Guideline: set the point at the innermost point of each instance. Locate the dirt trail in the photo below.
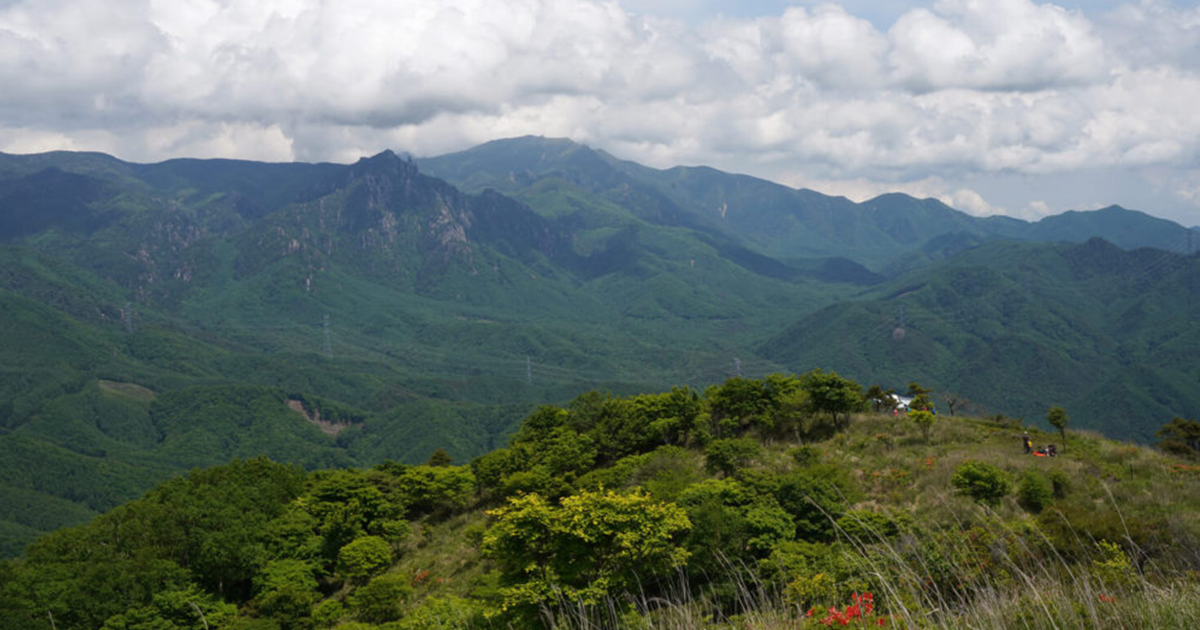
(332, 429)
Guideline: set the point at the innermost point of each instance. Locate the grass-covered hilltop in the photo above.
(782, 502)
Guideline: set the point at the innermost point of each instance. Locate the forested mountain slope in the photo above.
(162, 316)
(1097, 329)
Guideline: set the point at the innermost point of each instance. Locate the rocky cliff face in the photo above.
(382, 216)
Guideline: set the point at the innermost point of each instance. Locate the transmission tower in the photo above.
(899, 331)
(328, 347)
(528, 370)
(737, 367)
(127, 317)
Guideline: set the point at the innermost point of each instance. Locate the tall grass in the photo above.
(992, 577)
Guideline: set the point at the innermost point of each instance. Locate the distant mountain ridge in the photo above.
(780, 221)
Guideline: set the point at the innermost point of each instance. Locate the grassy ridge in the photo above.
(766, 533)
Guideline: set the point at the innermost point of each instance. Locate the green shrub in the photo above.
(1060, 483)
(449, 613)
(924, 420)
(866, 526)
(364, 557)
(728, 455)
(1034, 491)
(328, 613)
(805, 455)
(983, 482)
(382, 599)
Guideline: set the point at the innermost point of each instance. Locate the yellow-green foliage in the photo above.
(590, 545)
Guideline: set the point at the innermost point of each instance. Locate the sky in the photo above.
(993, 106)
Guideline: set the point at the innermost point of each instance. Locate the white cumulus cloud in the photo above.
(948, 91)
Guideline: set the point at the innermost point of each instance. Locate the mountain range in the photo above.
(157, 317)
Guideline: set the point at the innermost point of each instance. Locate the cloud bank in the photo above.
(961, 99)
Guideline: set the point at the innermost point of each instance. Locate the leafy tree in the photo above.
(671, 417)
(536, 480)
(220, 516)
(738, 404)
(923, 419)
(287, 592)
(767, 524)
(619, 431)
(1057, 417)
(544, 420)
(328, 613)
(185, 609)
(490, 469)
(731, 523)
(288, 572)
(791, 411)
(563, 452)
(983, 482)
(728, 455)
(584, 412)
(429, 489)
(294, 535)
(439, 458)
(382, 599)
(815, 497)
(348, 504)
(437, 613)
(590, 545)
(1180, 437)
(832, 394)
(915, 390)
(364, 557)
(880, 399)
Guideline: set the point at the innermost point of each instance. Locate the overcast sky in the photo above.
(996, 106)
